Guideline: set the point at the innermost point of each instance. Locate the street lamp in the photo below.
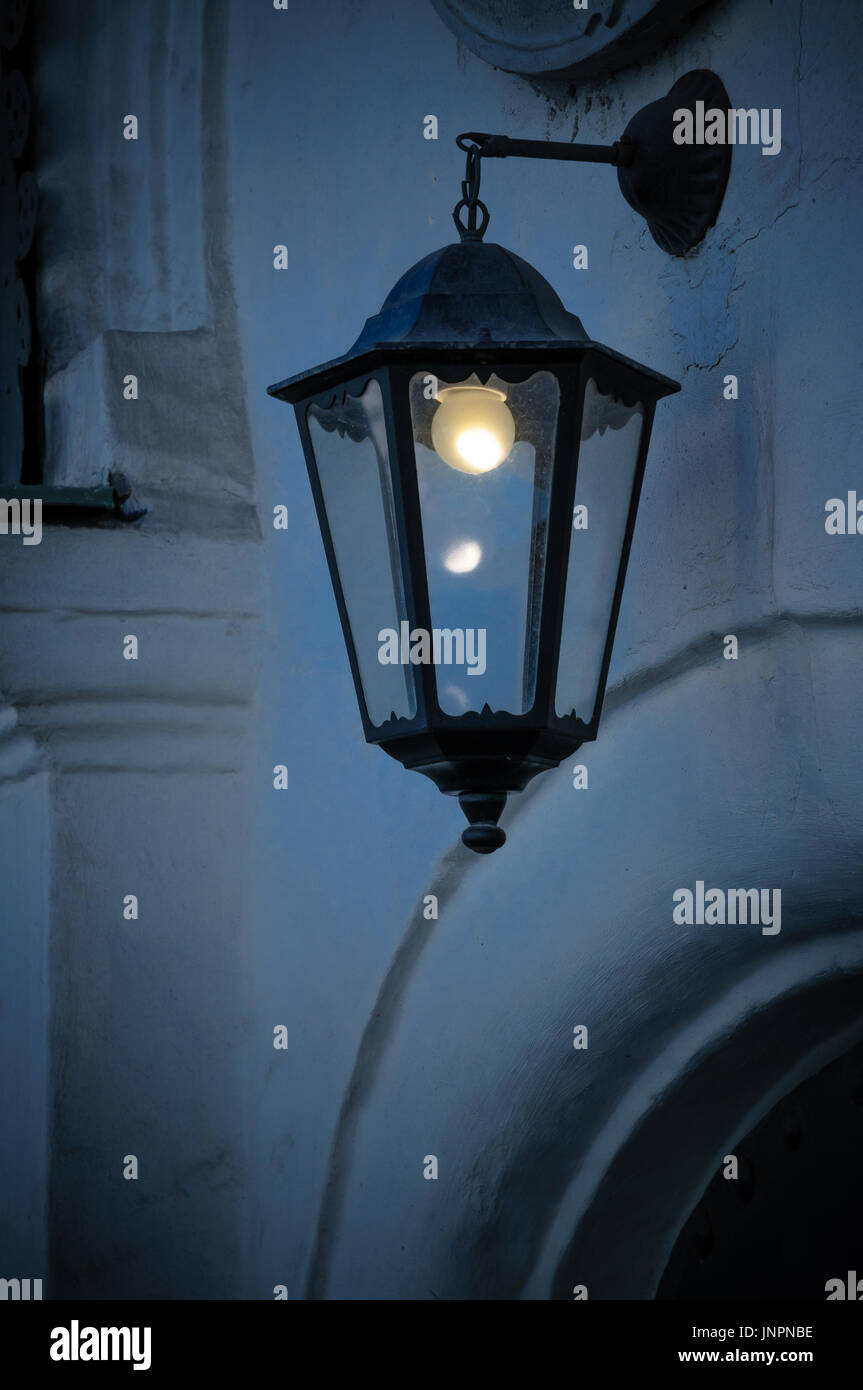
(476, 461)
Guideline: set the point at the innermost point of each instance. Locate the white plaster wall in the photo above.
(703, 768)
(25, 863)
(150, 760)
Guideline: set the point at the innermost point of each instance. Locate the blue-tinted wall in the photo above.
(410, 1037)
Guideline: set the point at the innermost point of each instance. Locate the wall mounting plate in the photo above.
(677, 189)
(551, 38)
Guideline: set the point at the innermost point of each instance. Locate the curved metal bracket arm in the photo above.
(677, 188)
(503, 146)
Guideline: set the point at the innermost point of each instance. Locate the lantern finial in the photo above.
(483, 809)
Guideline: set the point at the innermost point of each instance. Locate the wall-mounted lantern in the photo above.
(476, 463)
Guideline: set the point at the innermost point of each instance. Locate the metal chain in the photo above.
(470, 199)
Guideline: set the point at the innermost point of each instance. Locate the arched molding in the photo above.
(700, 773)
(717, 1078)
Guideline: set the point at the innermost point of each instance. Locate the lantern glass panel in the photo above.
(349, 441)
(610, 441)
(484, 453)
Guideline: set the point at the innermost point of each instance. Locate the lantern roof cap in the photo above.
(466, 295)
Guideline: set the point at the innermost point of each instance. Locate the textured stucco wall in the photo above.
(146, 782)
(735, 772)
(25, 863)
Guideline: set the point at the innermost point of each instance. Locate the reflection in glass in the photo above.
(351, 455)
(611, 435)
(484, 454)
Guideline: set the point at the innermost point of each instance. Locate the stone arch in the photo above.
(472, 1054)
(783, 1227)
(651, 1164)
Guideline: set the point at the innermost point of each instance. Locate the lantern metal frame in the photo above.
(480, 756)
(469, 310)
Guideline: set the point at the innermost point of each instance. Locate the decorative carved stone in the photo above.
(28, 202)
(16, 107)
(8, 216)
(549, 37)
(14, 15)
(22, 323)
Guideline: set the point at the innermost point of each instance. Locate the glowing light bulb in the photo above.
(462, 557)
(472, 429)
